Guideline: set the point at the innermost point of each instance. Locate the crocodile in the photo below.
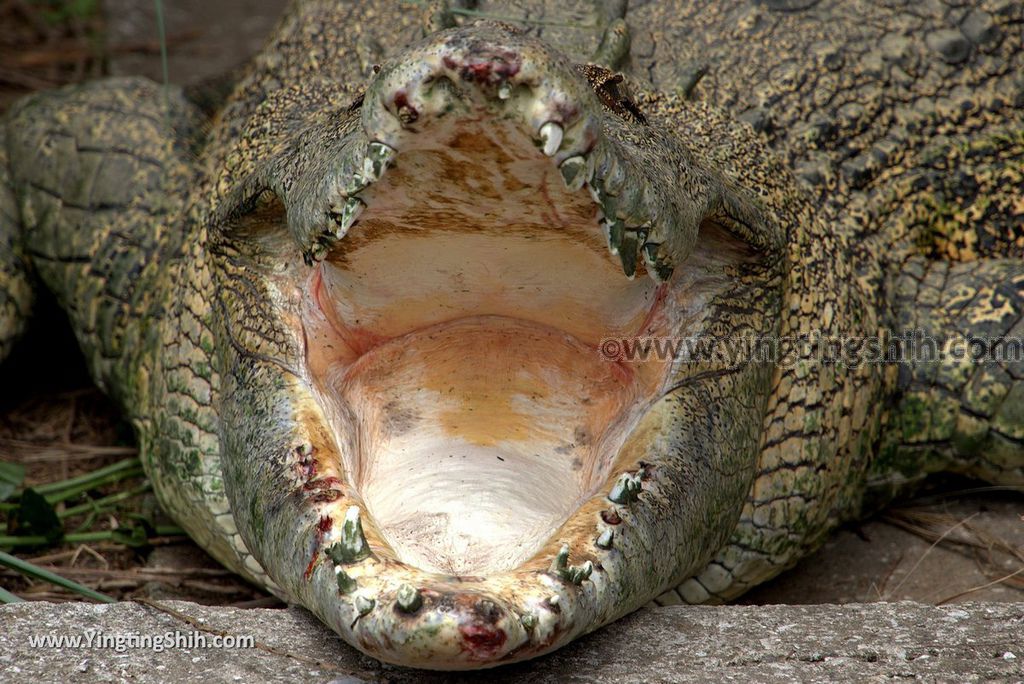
(377, 322)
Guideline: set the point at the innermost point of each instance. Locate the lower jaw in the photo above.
(293, 505)
(474, 440)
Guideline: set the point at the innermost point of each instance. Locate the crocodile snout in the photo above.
(485, 68)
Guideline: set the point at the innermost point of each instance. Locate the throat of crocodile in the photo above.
(478, 436)
(454, 337)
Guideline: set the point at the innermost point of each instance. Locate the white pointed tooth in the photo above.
(378, 157)
(347, 216)
(574, 173)
(356, 183)
(505, 91)
(551, 134)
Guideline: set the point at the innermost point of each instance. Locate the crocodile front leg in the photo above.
(16, 294)
(96, 182)
(94, 199)
(960, 395)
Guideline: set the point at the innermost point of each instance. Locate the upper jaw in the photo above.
(488, 72)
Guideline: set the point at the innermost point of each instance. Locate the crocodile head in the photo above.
(434, 437)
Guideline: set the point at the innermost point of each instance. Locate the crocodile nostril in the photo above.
(485, 67)
(445, 85)
(487, 611)
(483, 641)
(404, 110)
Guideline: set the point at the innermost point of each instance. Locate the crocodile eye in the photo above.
(611, 88)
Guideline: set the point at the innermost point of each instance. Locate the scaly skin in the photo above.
(183, 261)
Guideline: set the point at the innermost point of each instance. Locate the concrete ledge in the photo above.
(966, 642)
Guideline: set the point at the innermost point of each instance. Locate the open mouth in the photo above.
(454, 333)
(460, 477)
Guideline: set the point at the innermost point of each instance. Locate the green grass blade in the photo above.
(12, 475)
(105, 502)
(162, 31)
(8, 597)
(40, 540)
(36, 572)
(89, 478)
(71, 492)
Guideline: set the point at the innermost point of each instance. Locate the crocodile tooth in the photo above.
(554, 599)
(505, 91)
(561, 561)
(574, 574)
(604, 540)
(347, 216)
(626, 489)
(408, 598)
(378, 157)
(650, 251)
(346, 585)
(609, 204)
(574, 173)
(627, 253)
(616, 231)
(551, 135)
(363, 605)
(352, 546)
(356, 183)
(656, 264)
(529, 620)
(631, 241)
(318, 252)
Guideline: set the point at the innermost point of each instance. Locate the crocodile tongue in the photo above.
(479, 437)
